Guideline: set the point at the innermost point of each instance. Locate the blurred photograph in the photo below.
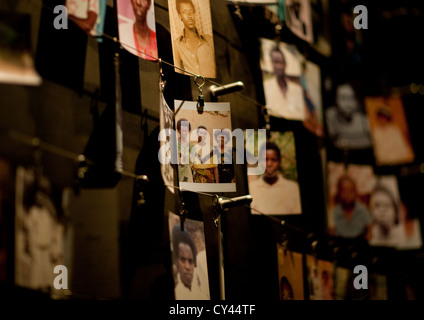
(346, 119)
(137, 28)
(88, 15)
(290, 274)
(319, 274)
(349, 190)
(389, 131)
(281, 72)
(192, 37)
(39, 233)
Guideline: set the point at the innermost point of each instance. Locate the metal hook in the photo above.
(200, 99)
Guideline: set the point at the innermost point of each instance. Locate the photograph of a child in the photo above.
(290, 274)
(281, 72)
(88, 15)
(205, 147)
(346, 119)
(311, 84)
(390, 224)
(276, 191)
(389, 131)
(190, 268)
(348, 193)
(137, 29)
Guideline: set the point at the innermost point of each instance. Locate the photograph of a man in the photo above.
(189, 259)
(137, 31)
(191, 31)
(273, 193)
(281, 71)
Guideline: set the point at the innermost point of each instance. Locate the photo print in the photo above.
(167, 151)
(16, 61)
(319, 274)
(88, 15)
(192, 37)
(190, 268)
(299, 19)
(349, 190)
(275, 191)
(290, 274)
(39, 232)
(320, 15)
(346, 119)
(342, 284)
(205, 152)
(281, 74)
(390, 227)
(389, 131)
(137, 28)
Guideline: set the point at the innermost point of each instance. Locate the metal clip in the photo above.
(200, 99)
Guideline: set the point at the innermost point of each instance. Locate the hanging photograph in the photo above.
(189, 260)
(16, 61)
(192, 37)
(290, 274)
(275, 189)
(137, 28)
(388, 212)
(281, 73)
(389, 131)
(205, 150)
(311, 85)
(320, 15)
(347, 121)
(299, 19)
(39, 232)
(319, 274)
(378, 286)
(88, 15)
(167, 151)
(349, 190)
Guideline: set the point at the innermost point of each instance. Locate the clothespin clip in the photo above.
(200, 99)
(161, 74)
(183, 214)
